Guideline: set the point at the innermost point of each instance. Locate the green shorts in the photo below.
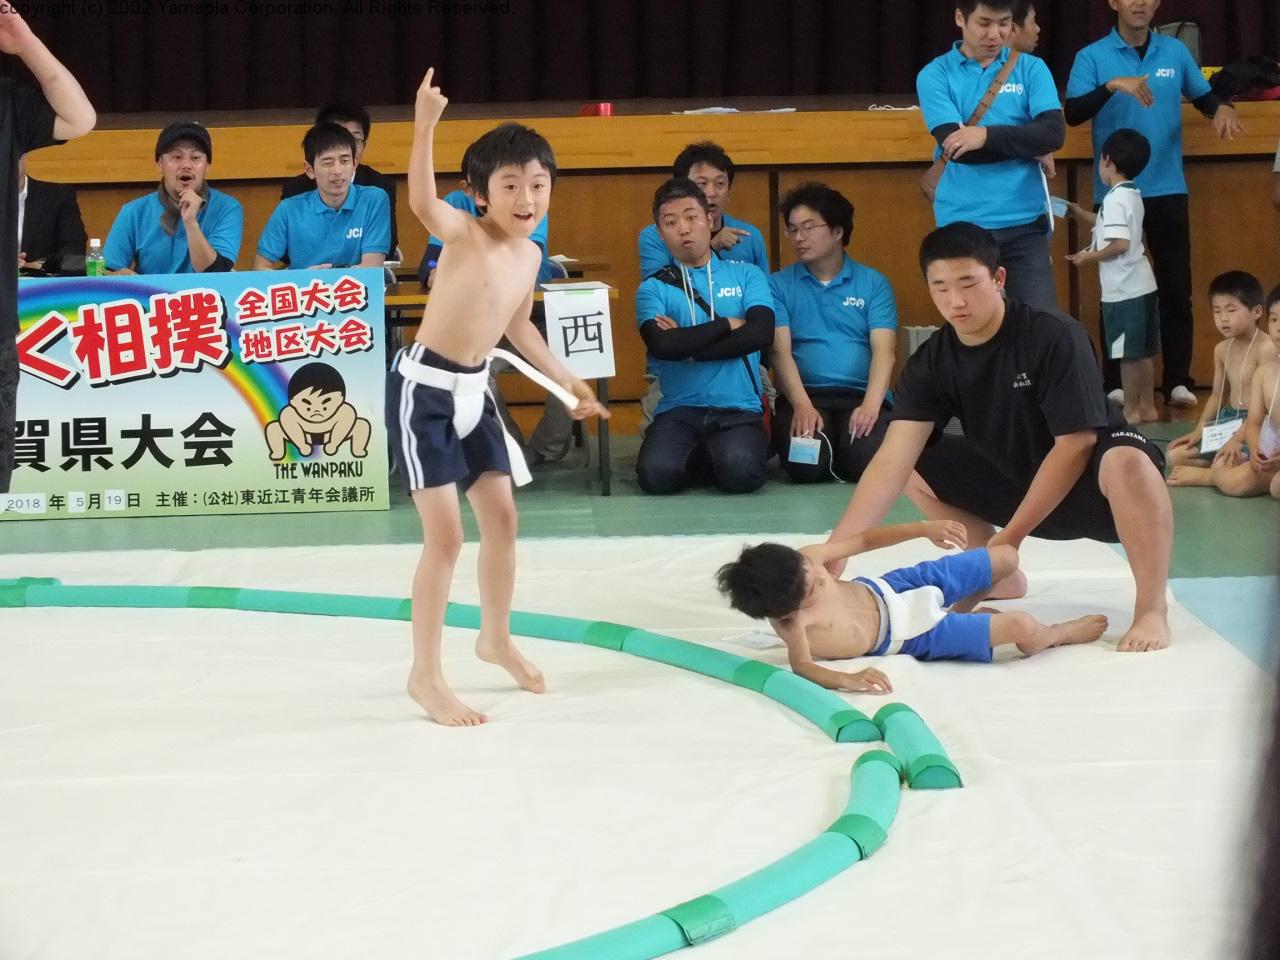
(1131, 328)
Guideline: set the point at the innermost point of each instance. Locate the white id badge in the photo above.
(805, 450)
(1216, 434)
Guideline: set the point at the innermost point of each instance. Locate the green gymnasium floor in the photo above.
(1226, 557)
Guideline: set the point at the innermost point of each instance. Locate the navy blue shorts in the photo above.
(429, 451)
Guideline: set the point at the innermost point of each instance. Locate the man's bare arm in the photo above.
(885, 477)
(1058, 473)
(944, 533)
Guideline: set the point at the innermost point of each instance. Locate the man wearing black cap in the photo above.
(185, 226)
(29, 119)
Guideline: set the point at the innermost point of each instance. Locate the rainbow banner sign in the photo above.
(200, 393)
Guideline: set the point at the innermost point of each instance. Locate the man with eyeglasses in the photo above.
(356, 119)
(834, 341)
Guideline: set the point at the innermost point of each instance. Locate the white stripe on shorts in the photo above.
(408, 441)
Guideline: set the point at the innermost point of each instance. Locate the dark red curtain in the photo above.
(194, 55)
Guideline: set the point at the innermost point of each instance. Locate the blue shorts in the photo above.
(430, 450)
(958, 636)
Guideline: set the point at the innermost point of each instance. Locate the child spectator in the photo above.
(1249, 466)
(1130, 305)
(1237, 307)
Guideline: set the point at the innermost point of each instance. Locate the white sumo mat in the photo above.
(214, 784)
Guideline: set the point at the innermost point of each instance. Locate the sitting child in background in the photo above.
(1130, 307)
(1249, 466)
(905, 611)
(1236, 297)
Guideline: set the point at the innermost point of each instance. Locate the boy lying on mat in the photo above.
(923, 611)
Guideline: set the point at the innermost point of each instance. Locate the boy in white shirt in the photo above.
(1130, 310)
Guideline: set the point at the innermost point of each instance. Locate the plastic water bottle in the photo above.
(94, 265)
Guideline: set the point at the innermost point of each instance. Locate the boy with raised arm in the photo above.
(450, 436)
(922, 611)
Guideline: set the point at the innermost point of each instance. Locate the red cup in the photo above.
(596, 110)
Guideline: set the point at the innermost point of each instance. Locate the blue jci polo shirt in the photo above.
(137, 237)
(654, 254)
(306, 230)
(723, 384)
(831, 326)
(1171, 74)
(1008, 193)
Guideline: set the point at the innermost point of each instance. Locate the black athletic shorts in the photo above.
(961, 475)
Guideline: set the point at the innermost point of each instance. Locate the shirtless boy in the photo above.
(1237, 303)
(450, 437)
(906, 611)
(1249, 466)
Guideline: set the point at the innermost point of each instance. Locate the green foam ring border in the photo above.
(820, 707)
(927, 766)
(874, 791)
(860, 830)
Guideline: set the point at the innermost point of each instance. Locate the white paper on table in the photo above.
(711, 111)
(575, 285)
(579, 330)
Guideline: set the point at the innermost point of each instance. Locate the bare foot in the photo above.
(1150, 415)
(1187, 476)
(1149, 632)
(441, 705)
(504, 653)
(1082, 630)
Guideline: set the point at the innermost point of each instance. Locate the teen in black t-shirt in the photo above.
(1043, 451)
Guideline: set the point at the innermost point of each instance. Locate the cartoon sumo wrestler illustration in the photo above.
(318, 412)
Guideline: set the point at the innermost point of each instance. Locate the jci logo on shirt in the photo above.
(729, 292)
(1166, 72)
(1021, 381)
(355, 233)
(855, 302)
(1013, 88)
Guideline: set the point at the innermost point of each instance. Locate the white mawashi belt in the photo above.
(906, 615)
(469, 390)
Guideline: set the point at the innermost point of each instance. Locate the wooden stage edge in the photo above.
(641, 142)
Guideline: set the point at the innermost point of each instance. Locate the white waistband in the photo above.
(873, 587)
(469, 384)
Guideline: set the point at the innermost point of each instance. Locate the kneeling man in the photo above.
(1043, 453)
